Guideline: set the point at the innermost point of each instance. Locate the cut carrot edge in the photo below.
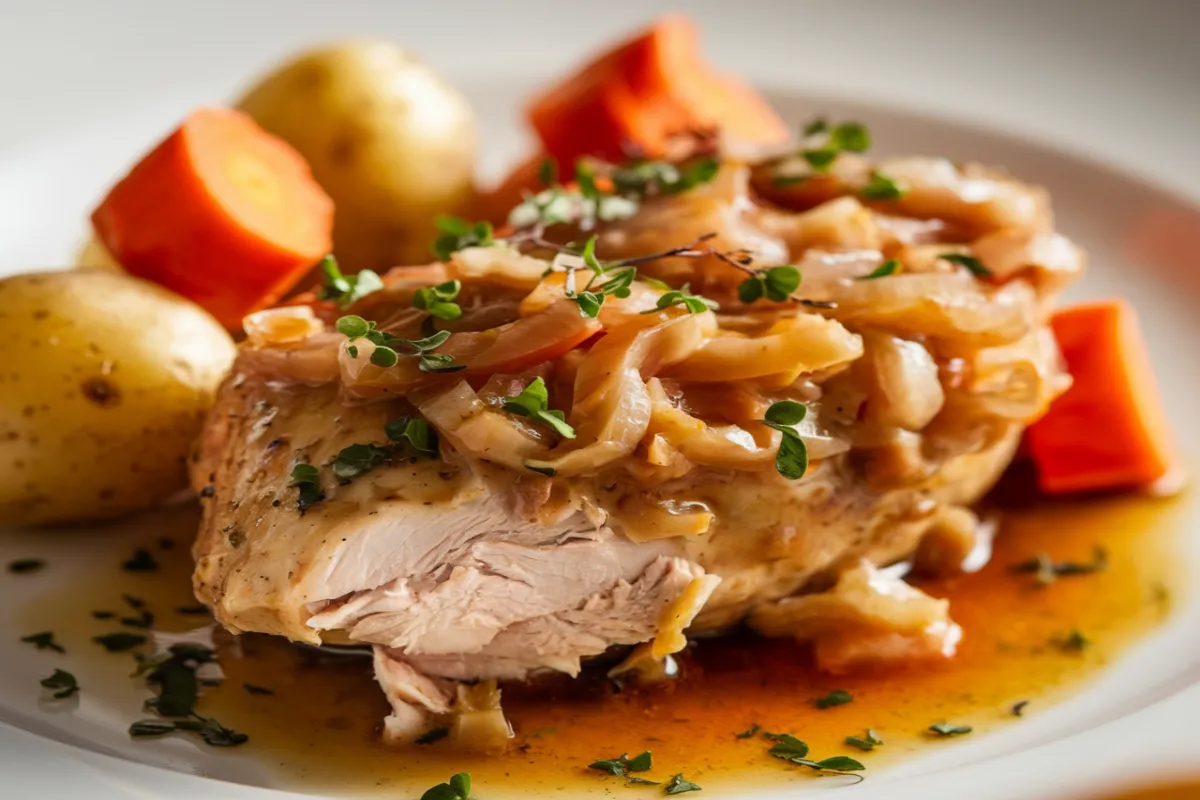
(646, 90)
(1109, 429)
(220, 212)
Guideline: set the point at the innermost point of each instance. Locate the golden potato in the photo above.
(104, 383)
(389, 140)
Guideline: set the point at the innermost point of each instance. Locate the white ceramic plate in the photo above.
(109, 82)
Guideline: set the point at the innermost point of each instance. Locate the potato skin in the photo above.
(389, 140)
(105, 380)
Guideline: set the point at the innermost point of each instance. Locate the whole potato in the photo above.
(104, 383)
(389, 140)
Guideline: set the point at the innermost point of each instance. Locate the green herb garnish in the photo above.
(458, 788)
(44, 641)
(144, 620)
(948, 729)
(141, 561)
(694, 303)
(306, 478)
(212, 732)
(642, 178)
(774, 283)
(786, 746)
(63, 683)
(1073, 642)
(679, 785)
(456, 234)
(623, 764)
(889, 267)
(355, 459)
(868, 741)
(541, 468)
(1018, 708)
(24, 566)
(1048, 571)
(354, 327)
(437, 300)
(105, 614)
(973, 264)
(881, 187)
(548, 171)
(346, 289)
(790, 749)
(533, 402)
(847, 136)
(174, 673)
(432, 735)
(817, 125)
(260, 691)
(792, 459)
(120, 641)
(414, 433)
(838, 697)
(749, 733)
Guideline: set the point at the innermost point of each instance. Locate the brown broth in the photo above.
(318, 731)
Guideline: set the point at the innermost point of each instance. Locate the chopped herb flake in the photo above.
(141, 561)
(786, 746)
(948, 729)
(679, 785)
(973, 264)
(306, 478)
(749, 733)
(103, 614)
(212, 732)
(355, 459)
(881, 187)
(62, 683)
(868, 741)
(25, 566)
(1048, 571)
(1018, 708)
(257, 690)
(414, 433)
(192, 610)
(44, 641)
(1073, 642)
(889, 267)
(432, 735)
(838, 697)
(120, 641)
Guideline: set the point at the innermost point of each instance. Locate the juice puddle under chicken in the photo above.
(318, 731)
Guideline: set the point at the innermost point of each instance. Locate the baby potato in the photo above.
(104, 383)
(390, 141)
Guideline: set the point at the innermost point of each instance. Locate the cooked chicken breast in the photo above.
(655, 504)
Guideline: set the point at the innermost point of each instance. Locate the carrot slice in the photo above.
(1109, 429)
(221, 212)
(645, 91)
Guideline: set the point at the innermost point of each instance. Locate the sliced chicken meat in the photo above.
(545, 484)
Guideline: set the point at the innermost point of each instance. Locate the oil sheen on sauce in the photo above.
(317, 732)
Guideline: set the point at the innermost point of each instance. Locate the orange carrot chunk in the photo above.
(221, 212)
(1109, 429)
(645, 91)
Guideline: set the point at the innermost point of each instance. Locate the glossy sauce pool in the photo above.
(318, 731)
